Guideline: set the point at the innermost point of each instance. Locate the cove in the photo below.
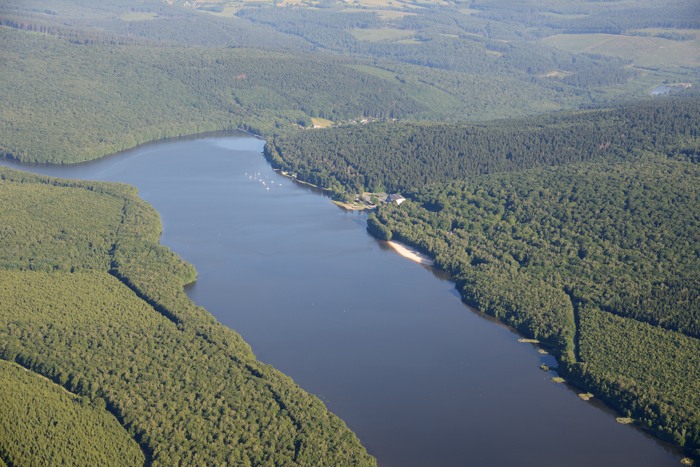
(385, 342)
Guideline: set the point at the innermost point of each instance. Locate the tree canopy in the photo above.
(578, 230)
(94, 303)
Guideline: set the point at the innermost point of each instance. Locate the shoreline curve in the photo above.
(410, 253)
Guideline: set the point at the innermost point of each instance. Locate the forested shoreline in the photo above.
(397, 156)
(579, 231)
(94, 303)
(539, 173)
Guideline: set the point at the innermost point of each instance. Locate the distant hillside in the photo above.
(70, 103)
(88, 79)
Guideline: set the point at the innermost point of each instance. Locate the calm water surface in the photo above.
(385, 342)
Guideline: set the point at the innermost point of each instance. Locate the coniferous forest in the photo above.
(95, 305)
(539, 171)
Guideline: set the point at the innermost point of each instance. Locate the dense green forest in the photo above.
(91, 79)
(43, 424)
(442, 43)
(496, 38)
(396, 156)
(69, 103)
(91, 301)
(578, 230)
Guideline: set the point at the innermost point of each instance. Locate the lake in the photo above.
(385, 342)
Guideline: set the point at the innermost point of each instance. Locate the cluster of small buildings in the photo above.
(371, 198)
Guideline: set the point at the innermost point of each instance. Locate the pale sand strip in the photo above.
(410, 253)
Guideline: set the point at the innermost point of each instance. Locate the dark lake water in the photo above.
(385, 342)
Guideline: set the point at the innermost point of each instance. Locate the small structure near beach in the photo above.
(395, 198)
(376, 198)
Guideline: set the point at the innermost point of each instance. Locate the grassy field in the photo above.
(388, 15)
(234, 5)
(643, 51)
(321, 123)
(382, 34)
(385, 4)
(139, 16)
(558, 15)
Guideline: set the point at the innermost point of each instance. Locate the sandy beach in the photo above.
(410, 253)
